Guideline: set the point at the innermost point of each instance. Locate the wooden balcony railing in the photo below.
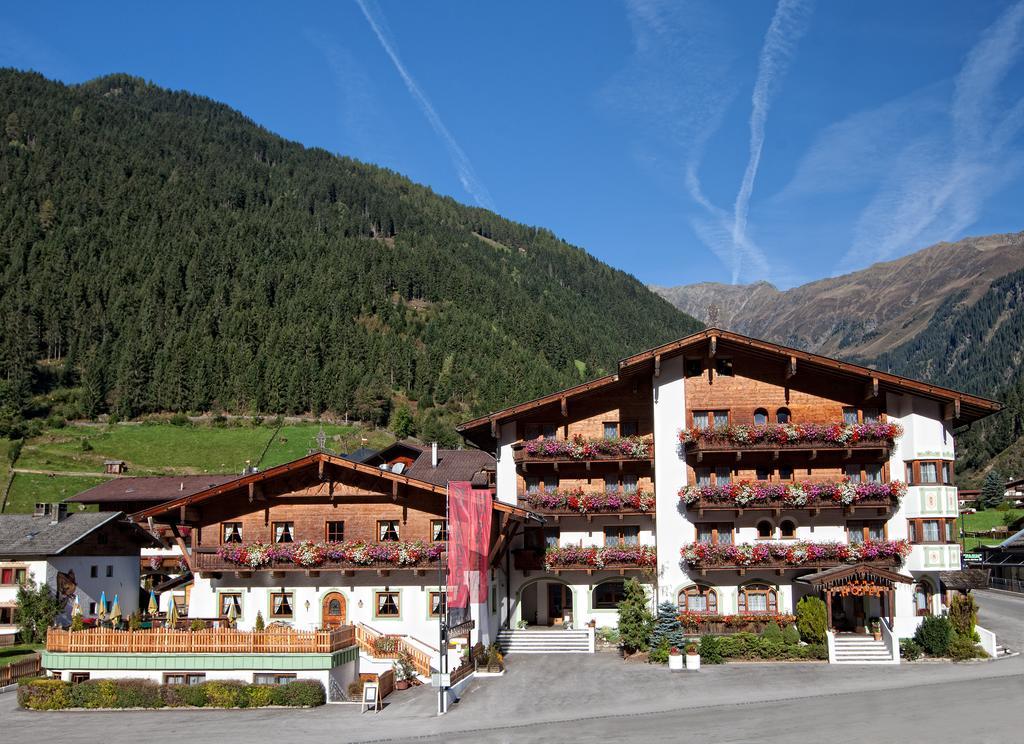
(206, 560)
(880, 447)
(581, 450)
(391, 646)
(580, 503)
(209, 641)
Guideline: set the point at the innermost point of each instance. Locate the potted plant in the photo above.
(675, 660)
(405, 672)
(876, 628)
(692, 658)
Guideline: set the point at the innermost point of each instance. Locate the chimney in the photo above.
(433, 454)
(58, 512)
(42, 509)
(181, 486)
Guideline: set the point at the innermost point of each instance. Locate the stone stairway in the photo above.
(860, 649)
(544, 641)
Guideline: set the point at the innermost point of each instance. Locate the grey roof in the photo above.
(1015, 540)
(25, 534)
(149, 488)
(452, 465)
(361, 455)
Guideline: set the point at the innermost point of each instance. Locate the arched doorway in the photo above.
(333, 614)
(546, 602)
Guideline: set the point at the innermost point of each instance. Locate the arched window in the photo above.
(765, 530)
(782, 416)
(922, 599)
(608, 594)
(761, 416)
(758, 598)
(698, 598)
(787, 529)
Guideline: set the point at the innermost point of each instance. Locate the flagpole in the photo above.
(442, 619)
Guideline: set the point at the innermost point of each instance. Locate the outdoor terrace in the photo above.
(207, 641)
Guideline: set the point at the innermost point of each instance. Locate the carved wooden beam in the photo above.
(494, 428)
(657, 365)
(951, 411)
(791, 367)
(712, 347)
(565, 406)
(871, 389)
(320, 469)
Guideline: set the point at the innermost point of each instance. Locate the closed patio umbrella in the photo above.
(76, 608)
(115, 611)
(101, 613)
(232, 614)
(172, 614)
(154, 605)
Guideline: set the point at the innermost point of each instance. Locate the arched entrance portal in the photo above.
(546, 603)
(333, 615)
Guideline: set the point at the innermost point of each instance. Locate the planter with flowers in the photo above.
(675, 660)
(692, 658)
(875, 626)
(405, 672)
(775, 436)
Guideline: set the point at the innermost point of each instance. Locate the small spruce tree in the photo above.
(667, 627)
(635, 619)
(991, 491)
(259, 624)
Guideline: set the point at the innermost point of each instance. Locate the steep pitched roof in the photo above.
(452, 465)
(148, 488)
(26, 534)
(968, 407)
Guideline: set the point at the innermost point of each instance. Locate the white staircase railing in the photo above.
(891, 642)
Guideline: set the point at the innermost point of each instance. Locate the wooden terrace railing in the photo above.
(208, 641)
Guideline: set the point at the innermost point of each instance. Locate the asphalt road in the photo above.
(1003, 614)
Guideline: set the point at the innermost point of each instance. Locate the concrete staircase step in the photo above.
(526, 641)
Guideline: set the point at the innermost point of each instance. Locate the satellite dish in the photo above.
(398, 467)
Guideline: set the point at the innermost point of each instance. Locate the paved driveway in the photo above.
(590, 698)
(1003, 614)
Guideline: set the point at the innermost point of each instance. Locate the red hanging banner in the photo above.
(469, 536)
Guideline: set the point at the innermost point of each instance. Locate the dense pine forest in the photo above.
(161, 252)
(978, 348)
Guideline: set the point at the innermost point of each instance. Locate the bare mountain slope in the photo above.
(863, 314)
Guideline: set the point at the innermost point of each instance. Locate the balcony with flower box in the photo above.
(583, 451)
(805, 495)
(619, 558)
(314, 557)
(792, 554)
(576, 502)
(871, 437)
(703, 623)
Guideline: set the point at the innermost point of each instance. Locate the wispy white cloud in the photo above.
(938, 183)
(463, 167)
(787, 26)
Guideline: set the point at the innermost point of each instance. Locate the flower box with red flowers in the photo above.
(794, 554)
(763, 495)
(838, 435)
(581, 448)
(303, 555)
(593, 558)
(578, 501)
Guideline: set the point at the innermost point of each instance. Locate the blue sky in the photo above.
(680, 141)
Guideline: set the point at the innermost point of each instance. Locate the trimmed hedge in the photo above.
(752, 647)
(53, 694)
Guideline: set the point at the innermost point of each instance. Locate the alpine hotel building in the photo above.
(731, 476)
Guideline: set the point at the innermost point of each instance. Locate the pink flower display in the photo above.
(835, 434)
(310, 554)
(581, 448)
(578, 500)
(575, 556)
(754, 494)
(795, 553)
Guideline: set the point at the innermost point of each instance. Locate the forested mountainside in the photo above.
(977, 347)
(864, 313)
(952, 314)
(161, 252)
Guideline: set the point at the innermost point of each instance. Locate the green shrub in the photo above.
(225, 694)
(303, 692)
(710, 650)
(179, 419)
(659, 654)
(910, 649)
(137, 693)
(962, 649)
(635, 618)
(259, 624)
(790, 635)
(44, 694)
(197, 624)
(179, 696)
(811, 619)
(934, 635)
(258, 696)
(608, 635)
(963, 614)
(772, 632)
(816, 651)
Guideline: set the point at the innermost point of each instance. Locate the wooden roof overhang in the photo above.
(858, 573)
(960, 407)
(965, 579)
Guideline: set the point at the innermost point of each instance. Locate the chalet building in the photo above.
(733, 477)
(325, 543)
(84, 556)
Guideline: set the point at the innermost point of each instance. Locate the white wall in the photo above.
(506, 469)
(673, 529)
